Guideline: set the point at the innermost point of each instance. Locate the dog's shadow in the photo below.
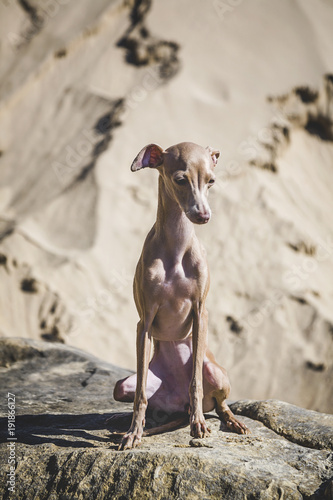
(66, 430)
(87, 430)
(155, 423)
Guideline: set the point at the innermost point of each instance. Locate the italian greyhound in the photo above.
(170, 289)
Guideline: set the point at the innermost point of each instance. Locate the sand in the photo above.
(75, 109)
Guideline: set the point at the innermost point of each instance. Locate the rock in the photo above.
(304, 427)
(65, 449)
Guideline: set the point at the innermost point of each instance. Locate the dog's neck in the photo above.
(172, 226)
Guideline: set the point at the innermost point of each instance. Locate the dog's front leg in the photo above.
(199, 427)
(143, 346)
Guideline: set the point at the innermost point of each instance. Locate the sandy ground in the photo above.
(84, 89)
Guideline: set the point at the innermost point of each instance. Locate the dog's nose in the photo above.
(202, 217)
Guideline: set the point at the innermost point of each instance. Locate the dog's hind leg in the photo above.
(217, 388)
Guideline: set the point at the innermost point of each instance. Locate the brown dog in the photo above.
(170, 288)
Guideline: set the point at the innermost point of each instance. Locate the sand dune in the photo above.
(83, 90)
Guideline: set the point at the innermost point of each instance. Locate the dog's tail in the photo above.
(169, 426)
(176, 423)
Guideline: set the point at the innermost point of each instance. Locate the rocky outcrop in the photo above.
(143, 49)
(303, 108)
(65, 448)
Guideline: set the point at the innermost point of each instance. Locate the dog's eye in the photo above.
(211, 182)
(181, 181)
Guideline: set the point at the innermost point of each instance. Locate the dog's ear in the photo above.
(214, 153)
(150, 156)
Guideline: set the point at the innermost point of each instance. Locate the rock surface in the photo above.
(64, 448)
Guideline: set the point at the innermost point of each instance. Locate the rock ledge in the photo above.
(64, 448)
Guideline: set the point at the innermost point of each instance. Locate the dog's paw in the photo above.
(235, 425)
(131, 439)
(199, 427)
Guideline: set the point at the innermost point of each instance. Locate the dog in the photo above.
(170, 288)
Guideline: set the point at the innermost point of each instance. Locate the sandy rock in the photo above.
(65, 449)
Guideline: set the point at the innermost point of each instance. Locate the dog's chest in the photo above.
(174, 289)
(175, 283)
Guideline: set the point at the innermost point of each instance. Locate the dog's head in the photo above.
(187, 171)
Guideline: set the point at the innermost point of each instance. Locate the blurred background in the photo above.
(83, 87)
